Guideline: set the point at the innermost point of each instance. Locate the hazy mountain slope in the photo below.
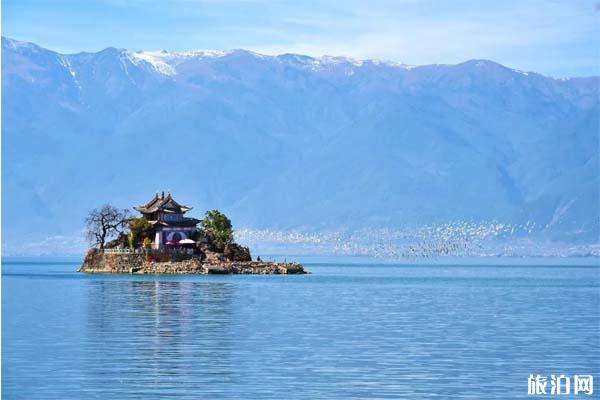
(295, 142)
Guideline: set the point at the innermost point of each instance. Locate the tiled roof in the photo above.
(186, 222)
(162, 203)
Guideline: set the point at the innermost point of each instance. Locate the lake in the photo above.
(351, 329)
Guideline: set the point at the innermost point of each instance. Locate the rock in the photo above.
(212, 257)
(119, 243)
(214, 263)
(216, 269)
(235, 252)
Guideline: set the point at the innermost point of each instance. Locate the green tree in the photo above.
(218, 227)
(139, 230)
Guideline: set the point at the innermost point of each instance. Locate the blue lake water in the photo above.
(348, 330)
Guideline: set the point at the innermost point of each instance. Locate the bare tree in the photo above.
(105, 223)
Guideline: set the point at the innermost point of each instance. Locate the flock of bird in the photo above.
(434, 240)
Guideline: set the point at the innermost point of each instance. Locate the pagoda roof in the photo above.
(186, 222)
(162, 203)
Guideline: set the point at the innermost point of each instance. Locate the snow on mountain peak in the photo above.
(165, 62)
(334, 60)
(18, 44)
(158, 59)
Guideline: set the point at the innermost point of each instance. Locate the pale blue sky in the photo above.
(558, 38)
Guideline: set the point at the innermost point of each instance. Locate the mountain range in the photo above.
(292, 142)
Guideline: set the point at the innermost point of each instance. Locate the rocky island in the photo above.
(165, 241)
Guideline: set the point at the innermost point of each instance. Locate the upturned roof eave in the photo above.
(157, 203)
(188, 222)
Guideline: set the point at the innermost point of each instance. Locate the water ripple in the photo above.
(374, 332)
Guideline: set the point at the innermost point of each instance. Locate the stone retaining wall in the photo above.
(106, 263)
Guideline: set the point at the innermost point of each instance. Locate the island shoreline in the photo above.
(142, 264)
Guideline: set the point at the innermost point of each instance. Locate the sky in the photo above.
(554, 37)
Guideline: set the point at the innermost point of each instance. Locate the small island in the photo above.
(165, 241)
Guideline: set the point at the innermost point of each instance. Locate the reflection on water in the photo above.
(342, 332)
(162, 334)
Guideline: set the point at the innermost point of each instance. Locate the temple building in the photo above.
(171, 227)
